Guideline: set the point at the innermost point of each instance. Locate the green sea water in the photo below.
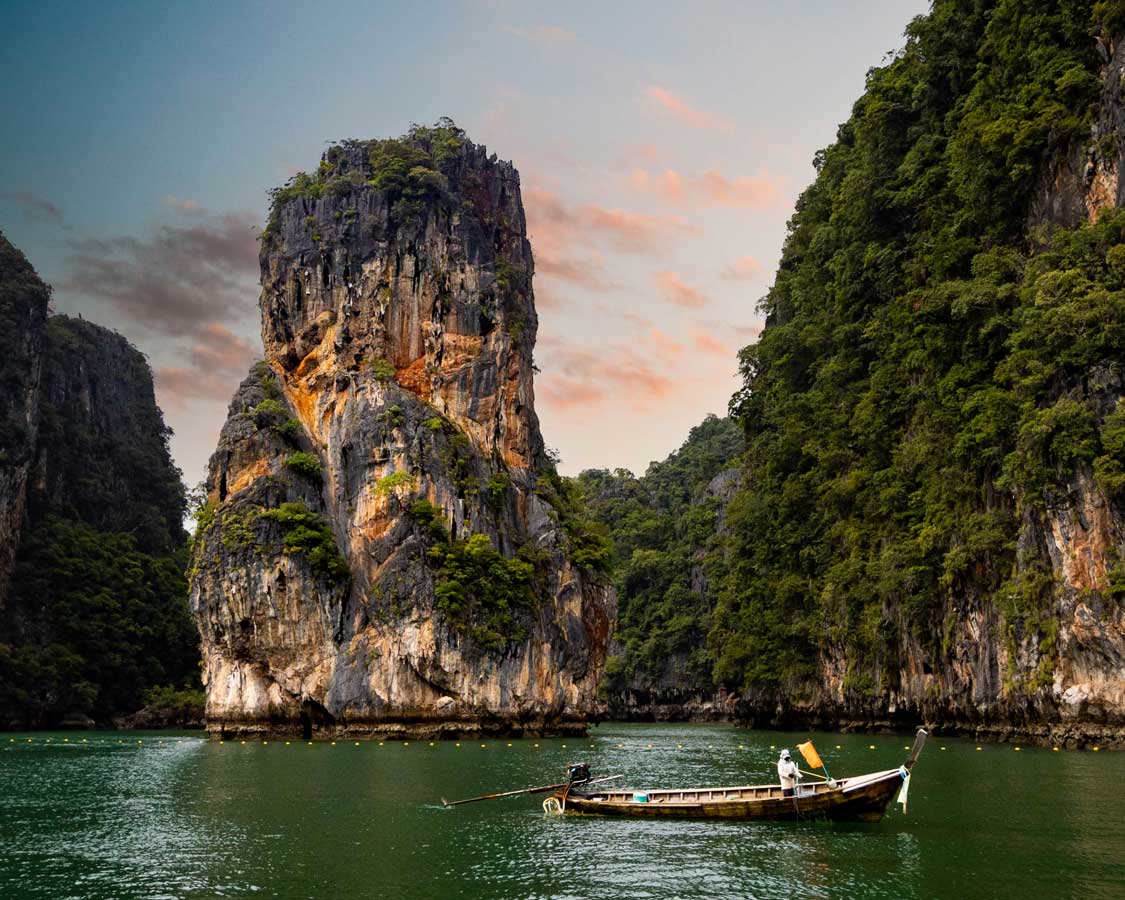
(162, 815)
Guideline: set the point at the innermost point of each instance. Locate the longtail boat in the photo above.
(861, 798)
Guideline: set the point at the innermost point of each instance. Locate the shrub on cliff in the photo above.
(478, 587)
(306, 533)
(305, 464)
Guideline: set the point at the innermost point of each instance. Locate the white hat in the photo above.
(784, 754)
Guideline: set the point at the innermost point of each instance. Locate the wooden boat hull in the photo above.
(861, 799)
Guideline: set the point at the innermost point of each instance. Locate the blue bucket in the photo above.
(640, 798)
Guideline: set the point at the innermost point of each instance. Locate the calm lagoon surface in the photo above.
(166, 815)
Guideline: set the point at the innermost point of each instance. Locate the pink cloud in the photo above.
(541, 34)
(745, 268)
(185, 205)
(677, 292)
(216, 362)
(707, 189)
(578, 376)
(708, 342)
(569, 240)
(671, 104)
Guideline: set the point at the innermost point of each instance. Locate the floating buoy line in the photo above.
(458, 744)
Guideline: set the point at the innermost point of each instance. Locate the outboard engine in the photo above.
(577, 773)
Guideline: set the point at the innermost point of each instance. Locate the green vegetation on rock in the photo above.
(664, 536)
(480, 589)
(308, 534)
(930, 368)
(306, 464)
(410, 171)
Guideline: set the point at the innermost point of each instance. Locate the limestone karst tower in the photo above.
(386, 547)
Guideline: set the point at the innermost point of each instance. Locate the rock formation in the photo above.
(386, 548)
(93, 607)
(23, 322)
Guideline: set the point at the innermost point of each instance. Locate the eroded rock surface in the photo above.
(385, 549)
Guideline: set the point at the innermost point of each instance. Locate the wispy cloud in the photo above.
(541, 34)
(675, 291)
(571, 241)
(670, 104)
(745, 268)
(213, 365)
(708, 340)
(34, 208)
(175, 280)
(184, 205)
(706, 189)
(637, 376)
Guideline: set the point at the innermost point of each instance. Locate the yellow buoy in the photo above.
(837, 746)
(1055, 749)
(458, 744)
(310, 743)
(66, 740)
(771, 747)
(264, 743)
(357, 743)
(431, 743)
(241, 742)
(679, 746)
(980, 748)
(564, 746)
(1096, 749)
(333, 743)
(942, 748)
(1017, 749)
(536, 746)
(406, 743)
(381, 744)
(509, 745)
(482, 746)
(871, 747)
(287, 743)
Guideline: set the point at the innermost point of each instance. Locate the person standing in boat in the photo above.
(788, 772)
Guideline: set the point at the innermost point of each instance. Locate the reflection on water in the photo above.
(179, 817)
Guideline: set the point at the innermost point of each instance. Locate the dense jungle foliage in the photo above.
(931, 370)
(667, 558)
(96, 616)
(930, 366)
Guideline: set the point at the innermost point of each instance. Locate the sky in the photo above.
(661, 147)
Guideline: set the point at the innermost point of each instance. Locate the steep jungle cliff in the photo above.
(386, 547)
(931, 525)
(23, 322)
(669, 535)
(95, 611)
(926, 525)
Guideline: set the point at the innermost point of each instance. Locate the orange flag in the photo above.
(808, 751)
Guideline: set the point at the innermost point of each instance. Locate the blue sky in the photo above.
(660, 147)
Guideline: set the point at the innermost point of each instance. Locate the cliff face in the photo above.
(23, 321)
(932, 522)
(670, 534)
(385, 548)
(95, 610)
(102, 455)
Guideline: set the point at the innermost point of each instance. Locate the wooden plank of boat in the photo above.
(862, 798)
